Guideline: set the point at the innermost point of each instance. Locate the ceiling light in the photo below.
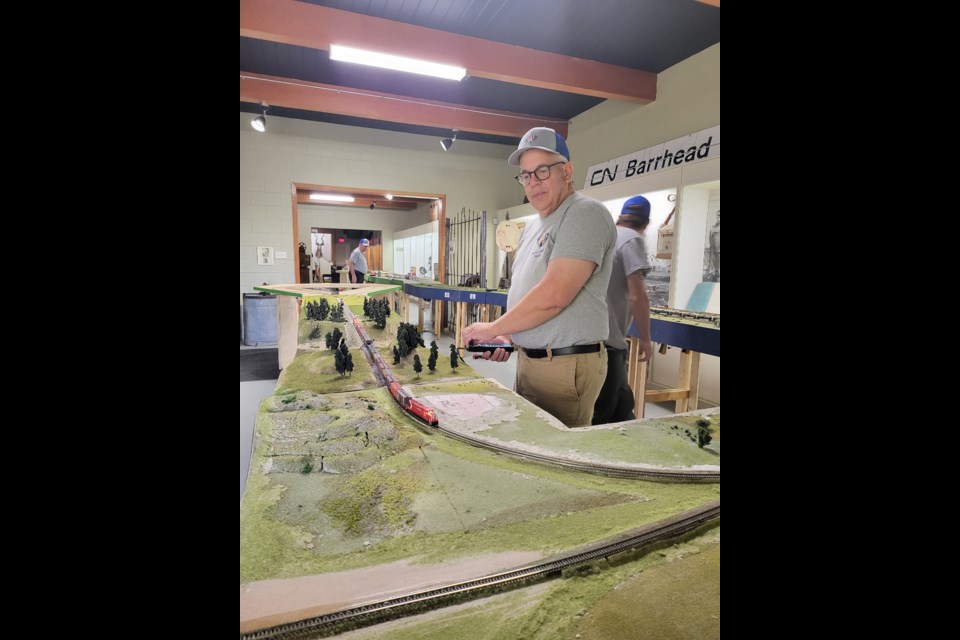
(260, 122)
(388, 196)
(446, 143)
(397, 63)
(331, 197)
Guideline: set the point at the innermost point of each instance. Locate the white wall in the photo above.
(472, 174)
(688, 100)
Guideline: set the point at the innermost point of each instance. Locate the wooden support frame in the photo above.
(687, 393)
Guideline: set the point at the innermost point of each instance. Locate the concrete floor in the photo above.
(252, 393)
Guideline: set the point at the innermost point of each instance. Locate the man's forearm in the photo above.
(639, 304)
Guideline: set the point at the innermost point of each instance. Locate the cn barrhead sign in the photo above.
(696, 147)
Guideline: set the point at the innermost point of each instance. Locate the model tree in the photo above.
(333, 339)
(396, 355)
(703, 432)
(453, 356)
(336, 314)
(432, 360)
(317, 311)
(417, 366)
(408, 333)
(379, 315)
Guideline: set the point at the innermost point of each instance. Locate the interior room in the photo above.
(524, 389)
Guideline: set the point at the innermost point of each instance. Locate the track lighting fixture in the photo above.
(373, 205)
(260, 122)
(446, 143)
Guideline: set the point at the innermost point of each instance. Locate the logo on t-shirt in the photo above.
(542, 240)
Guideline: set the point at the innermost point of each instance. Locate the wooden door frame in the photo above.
(294, 186)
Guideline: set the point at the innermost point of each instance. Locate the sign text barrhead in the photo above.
(696, 147)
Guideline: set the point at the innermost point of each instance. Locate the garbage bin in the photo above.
(259, 319)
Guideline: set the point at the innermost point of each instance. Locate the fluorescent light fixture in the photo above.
(397, 63)
(331, 197)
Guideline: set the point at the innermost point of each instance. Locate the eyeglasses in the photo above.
(542, 172)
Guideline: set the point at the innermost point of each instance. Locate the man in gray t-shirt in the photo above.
(556, 308)
(626, 298)
(358, 262)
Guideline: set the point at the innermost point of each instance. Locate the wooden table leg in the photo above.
(636, 376)
(689, 380)
(288, 324)
(460, 323)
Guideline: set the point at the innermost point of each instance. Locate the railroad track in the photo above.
(415, 602)
(385, 375)
(612, 470)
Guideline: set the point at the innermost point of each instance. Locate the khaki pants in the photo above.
(564, 386)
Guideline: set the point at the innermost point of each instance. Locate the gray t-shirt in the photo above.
(629, 257)
(359, 260)
(581, 227)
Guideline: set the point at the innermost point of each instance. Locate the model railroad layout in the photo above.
(425, 415)
(420, 601)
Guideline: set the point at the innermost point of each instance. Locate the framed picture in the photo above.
(264, 255)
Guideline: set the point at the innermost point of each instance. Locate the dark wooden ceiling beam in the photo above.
(316, 27)
(313, 96)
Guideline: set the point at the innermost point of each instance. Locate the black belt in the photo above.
(563, 351)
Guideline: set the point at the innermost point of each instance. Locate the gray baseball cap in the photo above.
(539, 138)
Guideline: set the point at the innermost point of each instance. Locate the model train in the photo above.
(404, 398)
(413, 406)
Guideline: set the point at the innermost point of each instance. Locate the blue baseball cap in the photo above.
(636, 206)
(365, 242)
(539, 138)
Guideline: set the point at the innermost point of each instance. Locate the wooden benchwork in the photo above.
(694, 337)
(490, 303)
(289, 297)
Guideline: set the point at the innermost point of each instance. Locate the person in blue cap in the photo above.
(358, 262)
(626, 299)
(556, 308)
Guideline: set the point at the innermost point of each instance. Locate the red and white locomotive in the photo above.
(404, 398)
(413, 406)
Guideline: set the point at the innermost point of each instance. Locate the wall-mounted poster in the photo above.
(711, 248)
(264, 255)
(321, 244)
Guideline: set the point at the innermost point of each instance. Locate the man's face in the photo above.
(363, 248)
(545, 195)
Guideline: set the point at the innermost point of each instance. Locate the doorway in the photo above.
(361, 198)
(334, 246)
